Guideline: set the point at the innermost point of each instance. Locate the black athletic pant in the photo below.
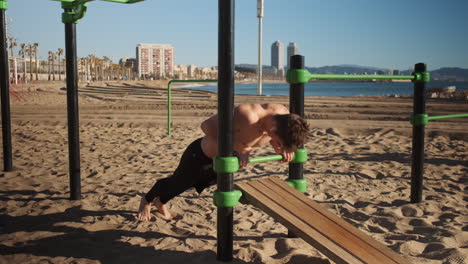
(195, 170)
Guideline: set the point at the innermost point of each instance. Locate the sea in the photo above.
(331, 88)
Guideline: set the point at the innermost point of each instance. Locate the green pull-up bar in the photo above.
(304, 76)
(266, 158)
(423, 119)
(447, 116)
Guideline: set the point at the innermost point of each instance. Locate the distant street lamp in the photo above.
(260, 16)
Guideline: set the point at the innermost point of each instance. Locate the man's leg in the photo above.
(162, 208)
(163, 191)
(184, 177)
(144, 212)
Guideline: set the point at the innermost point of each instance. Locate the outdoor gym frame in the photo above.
(224, 195)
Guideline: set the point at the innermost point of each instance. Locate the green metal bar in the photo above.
(266, 158)
(169, 97)
(447, 116)
(124, 1)
(361, 77)
(4, 6)
(77, 8)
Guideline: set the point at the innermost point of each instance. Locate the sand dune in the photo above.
(358, 167)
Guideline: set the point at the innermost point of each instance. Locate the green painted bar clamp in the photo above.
(299, 184)
(298, 76)
(226, 199)
(419, 119)
(3, 4)
(422, 77)
(300, 156)
(225, 164)
(79, 8)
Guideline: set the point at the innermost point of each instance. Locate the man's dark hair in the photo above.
(292, 130)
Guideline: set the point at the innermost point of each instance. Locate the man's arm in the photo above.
(210, 141)
(287, 155)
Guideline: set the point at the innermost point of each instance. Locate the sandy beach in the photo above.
(359, 168)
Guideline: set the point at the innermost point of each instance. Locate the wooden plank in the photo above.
(329, 229)
(310, 235)
(350, 238)
(339, 221)
(334, 237)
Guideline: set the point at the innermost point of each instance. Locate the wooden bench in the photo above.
(328, 233)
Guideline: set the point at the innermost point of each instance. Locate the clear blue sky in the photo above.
(382, 33)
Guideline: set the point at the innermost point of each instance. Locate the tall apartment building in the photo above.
(277, 56)
(155, 60)
(293, 49)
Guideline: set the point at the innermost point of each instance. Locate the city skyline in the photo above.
(329, 33)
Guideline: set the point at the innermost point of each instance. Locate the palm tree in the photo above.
(49, 59)
(91, 63)
(107, 62)
(53, 58)
(43, 65)
(12, 45)
(22, 53)
(35, 45)
(30, 51)
(60, 53)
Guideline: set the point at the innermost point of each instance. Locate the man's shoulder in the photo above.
(247, 112)
(277, 108)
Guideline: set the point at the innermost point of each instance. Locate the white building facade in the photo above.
(155, 60)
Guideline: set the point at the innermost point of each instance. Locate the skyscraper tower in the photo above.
(292, 50)
(277, 56)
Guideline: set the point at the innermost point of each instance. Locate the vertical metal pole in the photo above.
(5, 93)
(260, 17)
(72, 109)
(296, 106)
(225, 118)
(417, 162)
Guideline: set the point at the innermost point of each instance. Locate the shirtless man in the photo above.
(254, 125)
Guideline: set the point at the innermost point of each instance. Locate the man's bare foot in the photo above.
(144, 212)
(162, 208)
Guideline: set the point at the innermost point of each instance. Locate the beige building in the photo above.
(155, 60)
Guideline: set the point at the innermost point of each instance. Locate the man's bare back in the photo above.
(253, 126)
